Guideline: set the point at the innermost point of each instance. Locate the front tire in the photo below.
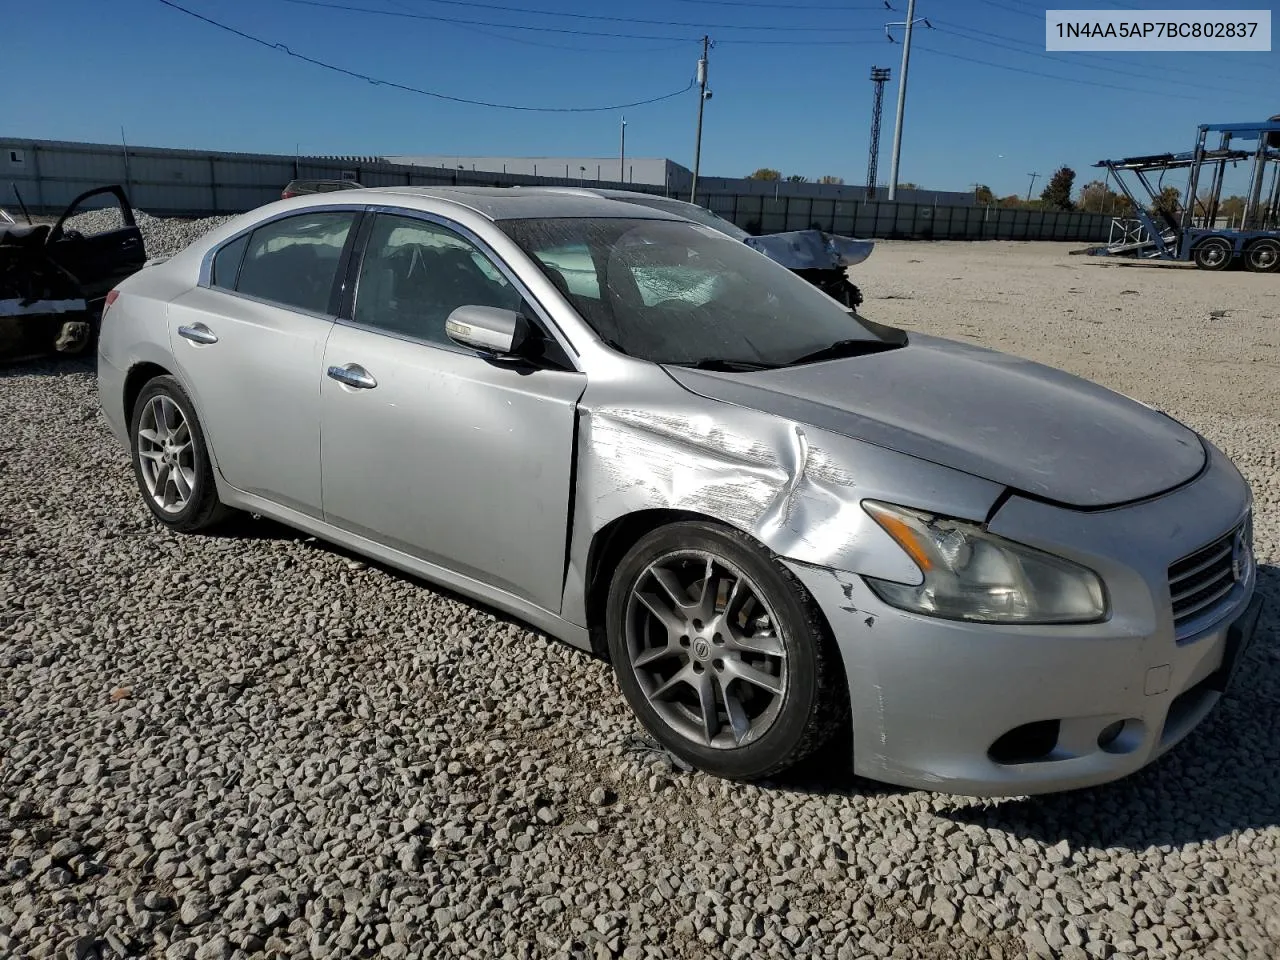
(721, 652)
(170, 459)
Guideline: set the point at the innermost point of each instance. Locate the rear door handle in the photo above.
(353, 375)
(198, 333)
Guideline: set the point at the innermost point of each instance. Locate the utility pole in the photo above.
(879, 75)
(909, 23)
(622, 154)
(1033, 177)
(703, 96)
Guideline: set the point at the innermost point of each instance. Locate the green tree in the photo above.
(982, 194)
(830, 179)
(1057, 194)
(1168, 202)
(1097, 197)
(909, 186)
(765, 173)
(1012, 200)
(1232, 208)
(797, 178)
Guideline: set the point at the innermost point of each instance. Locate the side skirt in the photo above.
(535, 616)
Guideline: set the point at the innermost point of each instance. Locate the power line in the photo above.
(1036, 12)
(597, 16)
(1039, 49)
(581, 16)
(678, 45)
(282, 48)
(830, 8)
(547, 44)
(799, 43)
(1006, 7)
(1038, 73)
(981, 37)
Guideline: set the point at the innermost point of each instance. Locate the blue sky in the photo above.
(784, 97)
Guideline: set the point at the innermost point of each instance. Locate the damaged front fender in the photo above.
(794, 488)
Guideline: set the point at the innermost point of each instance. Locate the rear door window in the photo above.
(293, 262)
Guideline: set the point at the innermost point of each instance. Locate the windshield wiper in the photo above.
(727, 366)
(845, 348)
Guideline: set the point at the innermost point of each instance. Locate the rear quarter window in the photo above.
(293, 262)
(226, 263)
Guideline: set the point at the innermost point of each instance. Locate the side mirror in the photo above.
(490, 329)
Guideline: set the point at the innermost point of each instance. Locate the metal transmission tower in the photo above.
(879, 76)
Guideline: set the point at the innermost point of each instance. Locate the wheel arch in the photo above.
(608, 546)
(143, 372)
(611, 543)
(1214, 238)
(139, 375)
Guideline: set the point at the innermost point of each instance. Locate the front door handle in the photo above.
(198, 333)
(353, 375)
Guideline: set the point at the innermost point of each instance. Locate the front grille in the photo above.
(1204, 578)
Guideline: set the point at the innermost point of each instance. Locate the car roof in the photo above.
(514, 203)
(612, 193)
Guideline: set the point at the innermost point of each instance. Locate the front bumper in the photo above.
(937, 704)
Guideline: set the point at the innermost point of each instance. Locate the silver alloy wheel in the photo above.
(705, 649)
(166, 454)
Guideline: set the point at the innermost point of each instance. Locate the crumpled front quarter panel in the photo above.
(794, 488)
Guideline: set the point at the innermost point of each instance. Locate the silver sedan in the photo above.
(778, 520)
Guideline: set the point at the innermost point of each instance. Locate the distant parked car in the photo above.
(299, 188)
(777, 518)
(821, 258)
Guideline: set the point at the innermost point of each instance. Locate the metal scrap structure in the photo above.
(1192, 233)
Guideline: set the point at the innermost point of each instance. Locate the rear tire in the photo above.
(170, 459)
(1263, 256)
(721, 652)
(1215, 253)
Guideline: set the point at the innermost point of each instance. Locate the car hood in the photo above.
(1038, 430)
(811, 249)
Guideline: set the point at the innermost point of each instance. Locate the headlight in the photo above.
(969, 574)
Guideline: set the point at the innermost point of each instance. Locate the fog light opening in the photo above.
(1028, 743)
(1109, 734)
(1123, 736)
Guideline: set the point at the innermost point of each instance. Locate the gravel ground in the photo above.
(253, 744)
(162, 236)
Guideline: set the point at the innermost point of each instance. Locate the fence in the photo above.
(50, 174)
(896, 220)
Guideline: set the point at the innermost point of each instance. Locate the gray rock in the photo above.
(318, 757)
